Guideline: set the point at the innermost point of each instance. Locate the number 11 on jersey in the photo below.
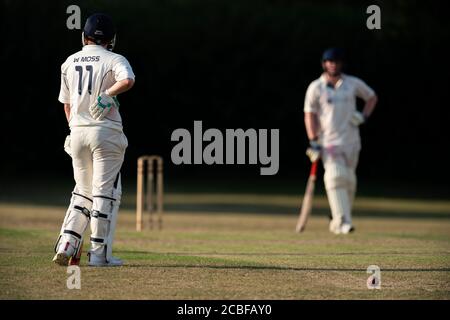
(90, 69)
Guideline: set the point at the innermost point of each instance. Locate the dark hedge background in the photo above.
(234, 64)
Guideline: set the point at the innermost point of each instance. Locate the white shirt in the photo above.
(335, 106)
(86, 74)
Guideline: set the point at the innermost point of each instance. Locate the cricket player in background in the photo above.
(332, 121)
(90, 81)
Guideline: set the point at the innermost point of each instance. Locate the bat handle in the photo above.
(313, 168)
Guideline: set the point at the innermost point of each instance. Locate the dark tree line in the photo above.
(233, 64)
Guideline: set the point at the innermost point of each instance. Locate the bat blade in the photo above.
(307, 200)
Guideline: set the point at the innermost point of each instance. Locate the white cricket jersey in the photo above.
(86, 74)
(335, 107)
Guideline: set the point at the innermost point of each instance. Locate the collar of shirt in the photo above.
(323, 79)
(90, 47)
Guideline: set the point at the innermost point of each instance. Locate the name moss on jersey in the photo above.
(87, 59)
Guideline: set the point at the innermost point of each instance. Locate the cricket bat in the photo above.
(307, 199)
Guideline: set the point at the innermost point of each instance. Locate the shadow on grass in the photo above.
(206, 262)
(280, 268)
(274, 209)
(165, 254)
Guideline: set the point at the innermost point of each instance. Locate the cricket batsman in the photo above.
(91, 79)
(332, 124)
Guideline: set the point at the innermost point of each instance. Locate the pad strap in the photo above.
(73, 233)
(83, 210)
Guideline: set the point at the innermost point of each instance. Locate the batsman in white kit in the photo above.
(332, 123)
(91, 79)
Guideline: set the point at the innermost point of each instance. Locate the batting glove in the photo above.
(357, 118)
(313, 152)
(103, 105)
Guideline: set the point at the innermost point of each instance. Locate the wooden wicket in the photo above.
(145, 197)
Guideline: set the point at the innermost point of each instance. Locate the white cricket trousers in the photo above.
(340, 164)
(97, 156)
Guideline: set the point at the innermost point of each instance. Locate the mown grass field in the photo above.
(213, 246)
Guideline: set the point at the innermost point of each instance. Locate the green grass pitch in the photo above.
(228, 254)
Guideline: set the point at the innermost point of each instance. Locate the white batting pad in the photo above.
(103, 223)
(74, 225)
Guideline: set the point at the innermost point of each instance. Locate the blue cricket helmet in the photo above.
(99, 28)
(333, 54)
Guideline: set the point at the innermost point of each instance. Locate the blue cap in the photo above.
(333, 54)
(99, 27)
